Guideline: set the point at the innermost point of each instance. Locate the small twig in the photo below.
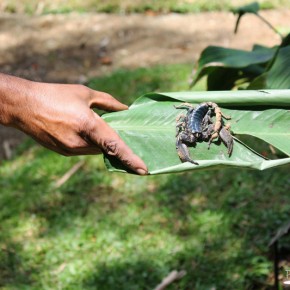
(174, 275)
(7, 149)
(60, 268)
(69, 174)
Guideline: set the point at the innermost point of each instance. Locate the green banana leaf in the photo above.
(149, 127)
(246, 63)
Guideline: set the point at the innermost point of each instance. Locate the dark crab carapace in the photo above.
(197, 126)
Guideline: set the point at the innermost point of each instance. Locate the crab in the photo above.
(197, 126)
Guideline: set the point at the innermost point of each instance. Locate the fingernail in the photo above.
(141, 171)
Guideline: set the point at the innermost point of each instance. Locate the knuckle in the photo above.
(112, 147)
(81, 90)
(84, 123)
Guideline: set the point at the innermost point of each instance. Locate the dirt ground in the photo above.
(72, 48)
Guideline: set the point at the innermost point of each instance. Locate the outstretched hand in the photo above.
(60, 117)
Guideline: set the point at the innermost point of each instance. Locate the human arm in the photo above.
(59, 116)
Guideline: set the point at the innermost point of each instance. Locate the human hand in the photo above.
(59, 116)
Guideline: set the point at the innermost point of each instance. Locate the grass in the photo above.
(129, 6)
(127, 85)
(105, 230)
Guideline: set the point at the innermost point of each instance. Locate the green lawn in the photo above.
(105, 230)
(130, 6)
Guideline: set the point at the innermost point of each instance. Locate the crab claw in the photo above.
(210, 134)
(183, 152)
(227, 138)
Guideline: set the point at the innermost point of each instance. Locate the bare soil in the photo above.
(72, 48)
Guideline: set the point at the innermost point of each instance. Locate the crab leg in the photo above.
(179, 124)
(184, 106)
(226, 137)
(218, 123)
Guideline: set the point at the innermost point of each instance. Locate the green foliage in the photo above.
(278, 75)
(249, 8)
(261, 68)
(224, 66)
(148, 127)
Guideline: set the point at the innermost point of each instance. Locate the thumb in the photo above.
(110, 143)
(104, 101)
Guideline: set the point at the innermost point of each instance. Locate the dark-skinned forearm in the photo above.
(14, 92)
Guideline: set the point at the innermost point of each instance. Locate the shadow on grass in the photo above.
(134, 274)
(215, 225)
(146, 274)
(31, 210)
(13, 270)
(235, 213)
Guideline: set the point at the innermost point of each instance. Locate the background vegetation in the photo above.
(99, 230)
(129, 6)
(103, 230)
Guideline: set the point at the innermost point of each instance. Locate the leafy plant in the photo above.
(261, 68)
(148, 127)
